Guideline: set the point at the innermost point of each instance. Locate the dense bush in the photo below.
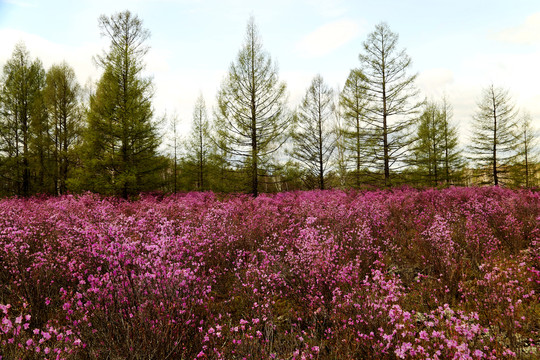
(434, 274)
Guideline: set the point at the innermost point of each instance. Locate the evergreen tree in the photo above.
(250, 116)
(493, 141)
(62, 98)
(313, 136)
(23, 125)
(390, 92)
(122, 139)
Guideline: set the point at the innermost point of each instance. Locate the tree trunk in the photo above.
(385, 147)
(26, 165)
(201, 168)
(358, 141)
(526, 162)
(254, 150)
(495, 175)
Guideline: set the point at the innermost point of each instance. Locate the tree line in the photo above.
(376, 131)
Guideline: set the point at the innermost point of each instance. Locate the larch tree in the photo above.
(314, 138)
(220, 160)
(435, 150)
(493, 141)
(353, 105)
(62, 96)
(526, 150)
(199, 143)
(428, 150)
(452, 157)
(23, 124)
(341, 159)
(391, 94)
(122, 139)
(174, 145)
(250, 117)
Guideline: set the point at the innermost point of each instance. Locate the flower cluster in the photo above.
(403, 273)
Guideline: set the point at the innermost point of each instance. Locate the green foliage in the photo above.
(23, 125)
(391, 95)
(121, 139)
(54, 140)
(251, 119)
(353, 101)
(62, 95)
(525, 166)
(313, 135)
(199, 144)
(435, 151)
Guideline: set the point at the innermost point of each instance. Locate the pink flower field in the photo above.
(394, 274)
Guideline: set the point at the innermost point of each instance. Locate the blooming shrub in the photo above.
(396, 274)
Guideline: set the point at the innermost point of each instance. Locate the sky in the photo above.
(457, 47)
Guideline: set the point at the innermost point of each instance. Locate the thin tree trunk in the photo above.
(495, 177)
(447, 170)
(385, 145)
(526, 161)
(201, 159)
(358, 140)
(321, 165)
(254, 150)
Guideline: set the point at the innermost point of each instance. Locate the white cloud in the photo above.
(297, 84)
(328, 38)
(517, 72)
(79, 57)
(463, 85)
(177, 91)
(434, 82)
(526, 33)
(169, 87)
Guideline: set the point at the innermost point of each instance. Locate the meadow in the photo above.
(390, 274)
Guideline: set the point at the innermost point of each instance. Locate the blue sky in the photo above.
(457, 47)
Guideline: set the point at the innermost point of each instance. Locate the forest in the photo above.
(57, 137)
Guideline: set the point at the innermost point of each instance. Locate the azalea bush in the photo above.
(394, 274)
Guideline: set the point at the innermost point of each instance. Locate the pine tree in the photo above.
(122, 139)
(251, 109)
